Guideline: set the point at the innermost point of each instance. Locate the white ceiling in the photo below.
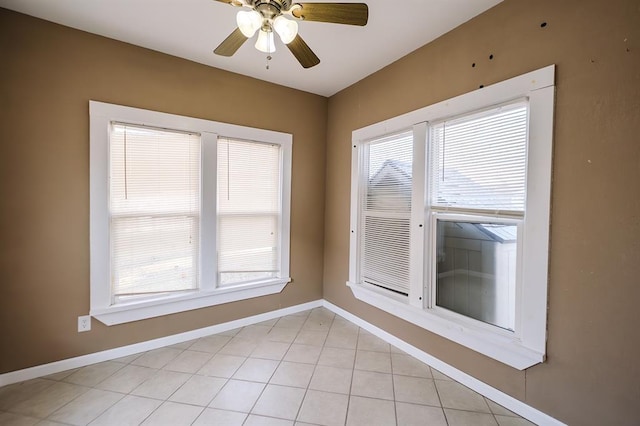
(191, 29)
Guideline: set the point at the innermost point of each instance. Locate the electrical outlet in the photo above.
(84, 323)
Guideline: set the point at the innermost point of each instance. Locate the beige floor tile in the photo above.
(126, 379)
(317, 323)
(215, 417)
(13, 395)
(303, 353)
(269, 323)
(367, 411)
(369, 342)
(324, 408)
(293, 374)
(48, 400)
(11, 419)
(342, 338)
(373, 361)
(331, 379)
(173, 414)
(311, 337)
(86, 407)
(439, 376)
(188, 361)
(372, 384)
(415, 390)
(499, 409)
(456, 396)
(93, 374)
(161, 385)
(198, 390)
(230, 333)
(291, 321)
(183, 345)
(256, 370)
(279, 401)
(512, 421)
(46, 422)
(284, 335)
(407, 365)
(253, 332)
(419, 415)
(211, 344)
(271, 350)
(239, 347)
(469, 418)
(129, 358)
(397, 350)
(227, 398)
(61, 375)
(337, 357)
(157, 358)
(222, 365)
(130, 410)
(255, 420)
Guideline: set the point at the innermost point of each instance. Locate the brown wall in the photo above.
(592, 373)
(48, 74)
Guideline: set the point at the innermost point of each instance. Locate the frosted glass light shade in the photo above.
(265, 42)
(249, 21)
(286, 29)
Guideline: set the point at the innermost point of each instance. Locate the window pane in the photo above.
(248, 211)
(154, 205)
(476, 270)
(479, 161)
(387, 211)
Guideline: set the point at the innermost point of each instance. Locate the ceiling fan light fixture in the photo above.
(265, 42)
(249, 21)
(286, 29)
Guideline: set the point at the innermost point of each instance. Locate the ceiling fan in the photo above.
(282, 16)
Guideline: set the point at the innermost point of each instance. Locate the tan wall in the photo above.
(48, 74)
(592, 373)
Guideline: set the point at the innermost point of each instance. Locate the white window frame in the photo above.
(208, 294)
(526, 346)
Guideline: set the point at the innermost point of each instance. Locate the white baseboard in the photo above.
(109, 354)
(507, 401)
(493, 394)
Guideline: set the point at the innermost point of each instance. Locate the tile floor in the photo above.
(312, 368)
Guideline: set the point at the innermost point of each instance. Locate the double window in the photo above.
(450, 217)
(185, 213)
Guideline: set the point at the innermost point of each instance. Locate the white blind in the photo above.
(479, 161)
(154, 206)
(386, 212)
(249, 212)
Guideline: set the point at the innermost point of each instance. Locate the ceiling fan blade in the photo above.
(303, 52)
(338, 13)
(231, 44)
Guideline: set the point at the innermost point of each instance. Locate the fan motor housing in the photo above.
(273, 7)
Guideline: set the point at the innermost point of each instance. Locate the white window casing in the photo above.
(204, 288)
(527, 208)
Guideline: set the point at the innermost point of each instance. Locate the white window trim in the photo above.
(527, 346)
(101, 115)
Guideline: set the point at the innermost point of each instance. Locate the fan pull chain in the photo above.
(268, 59)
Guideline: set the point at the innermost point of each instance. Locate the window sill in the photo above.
(135, 311)
(506, 349)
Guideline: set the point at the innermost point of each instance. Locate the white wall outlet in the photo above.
(84, 323)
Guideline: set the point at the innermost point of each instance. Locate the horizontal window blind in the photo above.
(479, 161)
(249, 209)
(386, 212)
(154, 192)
